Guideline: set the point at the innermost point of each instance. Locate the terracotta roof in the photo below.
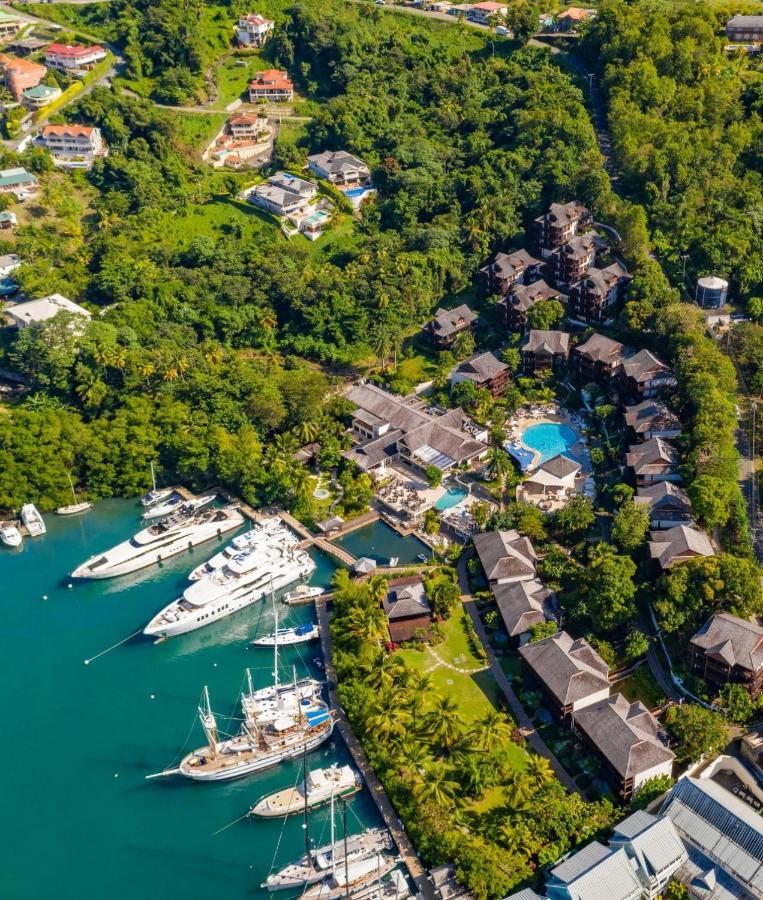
(575, 13)
(73, 51)
(68, 130)
(272, 78)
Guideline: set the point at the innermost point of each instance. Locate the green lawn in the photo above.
(641, 686)
(217, 218)
(233, 75)
(291, 132)
(195, 130)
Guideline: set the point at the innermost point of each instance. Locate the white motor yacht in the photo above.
(160, 542)
(32, 520)
(10, 534)
(302, 594)
(241, 543)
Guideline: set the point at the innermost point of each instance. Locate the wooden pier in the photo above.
(387, 811)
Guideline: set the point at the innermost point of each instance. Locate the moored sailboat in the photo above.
(317, 788)
(155, 495)
(175, 503)
(73, 509)
(299, 634)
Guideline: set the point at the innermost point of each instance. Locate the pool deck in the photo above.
(524, 421)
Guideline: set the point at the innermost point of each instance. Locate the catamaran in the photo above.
(32, 520)
(272, 527)
(317, 788)
(268, 566)
(160, 542)
(155, 495)
(10, 534)
(161, 510)
(299, 634)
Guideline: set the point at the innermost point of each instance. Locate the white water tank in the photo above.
(711, 292)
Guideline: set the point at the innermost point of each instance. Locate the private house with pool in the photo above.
(447, 324)
(520, 300)
(19, 182)
(387, 429)
(523, 604)
(629, 741)
(666, 504)
(40, 96)
(485, 371)
(650, 419)
(545, 350)
(505, 556)
(507, 269)
(283, 194)
(729, 649)
(73, 146)
(340, 168)
(597, 358)
(653, 461)
(570, 672)
(561, 223)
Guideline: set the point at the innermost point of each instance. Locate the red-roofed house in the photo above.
(20, 74)
(573, 18)
(73, 146)
(73, 57)
(272, 85)
(482, 13)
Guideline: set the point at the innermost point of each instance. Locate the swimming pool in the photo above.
(357, 191)
(452, 497)
(549, 439)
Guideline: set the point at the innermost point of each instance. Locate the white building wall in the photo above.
(592, 698)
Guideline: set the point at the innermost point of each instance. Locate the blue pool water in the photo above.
(356, 192)
(549, 439)
(452, 497)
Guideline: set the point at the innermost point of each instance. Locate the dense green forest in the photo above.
(207, 345)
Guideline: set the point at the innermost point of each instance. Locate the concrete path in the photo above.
(526, 726)
(382, 801)
(440, 662)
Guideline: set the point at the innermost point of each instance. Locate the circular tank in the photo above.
(712, 292)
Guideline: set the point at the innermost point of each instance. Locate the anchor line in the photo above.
(113, 647)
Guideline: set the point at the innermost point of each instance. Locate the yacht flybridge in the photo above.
(32, 520)
(265, 529)
(161, 541)
(270, 563)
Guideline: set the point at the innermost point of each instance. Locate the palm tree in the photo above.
(445, 722)
(385, 674)
(471, 775)
(539, 769)
(519, 788)
(378, 586)
(90, 389)
(388, 719)
(368, 623)
(517, 838)
(147, 370)
(413, 755)
(491, 731)
(267, 319)
(301, 482)
(308, 432)
(437, 786)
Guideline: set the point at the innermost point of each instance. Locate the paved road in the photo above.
(383, 804)
(526, 726)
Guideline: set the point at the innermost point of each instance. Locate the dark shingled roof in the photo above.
(448, 321)
(643, 416)
(482, 367)
(505, 554)
(653, 454)
(736, 641)
(669, 546)
(508, 264)
(549, 341)
(522, 604)
(525, 296)
(643, 365)
(406, 598)
(599, 348)
(561, 466)
(663, 493)
(570, 669)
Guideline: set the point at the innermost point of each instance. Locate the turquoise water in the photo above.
(81, 820)
(380, 542)
(452, 497)
(549, 439)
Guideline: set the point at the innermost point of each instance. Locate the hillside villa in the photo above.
(73, 146)
(729, 649)
(675, 545)
(20, 74)
(19, 182)
(34, 312)
(283, 194)
(340, 168)
(271, 86)
(447, 324)
(543, 350)
(73, 58)
(40, 96)
(485, 371)
(253, 30)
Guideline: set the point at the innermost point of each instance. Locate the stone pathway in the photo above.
(440, 662)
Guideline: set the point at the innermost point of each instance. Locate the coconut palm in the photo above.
(437, 786)
(445, 722)
(378, 586)
(90, 389)
(388, 719)
(386, 674)
(308, 432)
(517, 838)
(413, 756)
(368, 623)
(491, 731)
(301, 482)
(471, 775)
(519, 788)
(539, 769)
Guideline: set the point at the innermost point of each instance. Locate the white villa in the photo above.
(33, 312)
(253, 30)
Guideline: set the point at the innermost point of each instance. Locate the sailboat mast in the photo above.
(153, 476)
(275, 639)
(71, 485)
(333, 835)
(346, 864)
(307, 813)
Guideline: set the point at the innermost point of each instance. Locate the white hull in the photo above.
(156, 496)
(10, 535)
(73, 509)
(287, 637)
(242, 543)
(238, 598)
(303, 592)
(264, 760)
(172, 506)
(32, 520)
(130, 557)
(332, 782)
(360, 876)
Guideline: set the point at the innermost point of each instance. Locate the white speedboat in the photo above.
(299, 634)
(316, 789)
(175, 503)
(155, 495)
(241, 543)
(244, 580)
(32, 520)
(10, 534)
(74, 509)
(160, 542)
(301, 594)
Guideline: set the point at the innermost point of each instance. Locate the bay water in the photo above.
(79, 818)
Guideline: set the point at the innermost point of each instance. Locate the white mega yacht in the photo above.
(160, 542)
(271, 527)
(268, 566)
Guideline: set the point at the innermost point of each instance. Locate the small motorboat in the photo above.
(32, 520)
(10, 534)
(300, 634)
(422, 557)
(301, 594)
(175, 503)
(393, 561)
(74, 509)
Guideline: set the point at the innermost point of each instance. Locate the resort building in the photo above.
(650, 419)
(483, 13)
(543, 350)
(339, 167)
(520, 301)
(19, 182)
(723, 838)
(561, 223)
(20, 74)
(73, 146)
(597, 358)
(73, 58)
(653, 847)
(253, 30)
(653, 461)
(407, 609)
(666, 503)
(517, 267)
(9, 262)
(594, 296)
(576, 257)
(642, 375)
(676, 545)
(745, 29)
(571, 672)
(40, 96)
(486, 371)
(284, 194)
(629, 741)
(751, 749)
(447, 324)
(33, 312)
(388, 428)
(523, 604)
(505, 556)
(552, 484)
(729, 649)
(271, 86)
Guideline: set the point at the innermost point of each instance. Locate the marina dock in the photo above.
(407, 851)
